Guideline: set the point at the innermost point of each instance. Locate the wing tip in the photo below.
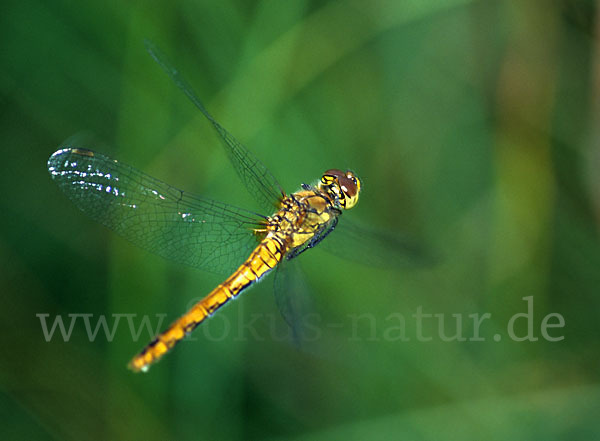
(56, 159)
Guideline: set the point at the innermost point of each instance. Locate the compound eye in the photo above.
(334, 173)
(348, 186)
(350, 175)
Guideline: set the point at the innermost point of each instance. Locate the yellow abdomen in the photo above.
(263, 259)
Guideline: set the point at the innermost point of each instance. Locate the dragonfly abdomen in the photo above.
(262, 260)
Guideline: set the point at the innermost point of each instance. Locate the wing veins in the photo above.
(241, 158)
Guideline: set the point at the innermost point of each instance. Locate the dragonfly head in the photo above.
(343, 187)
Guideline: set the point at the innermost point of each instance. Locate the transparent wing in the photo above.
(153, 215)
(371, 246)
(292, 297)
(259, 181)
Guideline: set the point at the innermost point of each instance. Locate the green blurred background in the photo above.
(474, 125)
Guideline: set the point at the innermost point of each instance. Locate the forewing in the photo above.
(257, 178)
(153, 215)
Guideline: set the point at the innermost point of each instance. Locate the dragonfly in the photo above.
(204, 233)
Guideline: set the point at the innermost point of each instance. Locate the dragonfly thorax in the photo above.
(301, 216)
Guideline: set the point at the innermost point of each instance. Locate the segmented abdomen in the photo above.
(263, 259)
